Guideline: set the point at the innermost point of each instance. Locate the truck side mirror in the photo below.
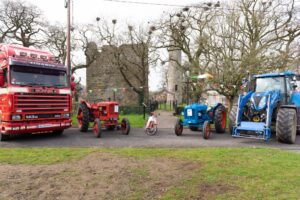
(2, 78)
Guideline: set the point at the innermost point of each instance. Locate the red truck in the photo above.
(35, 94)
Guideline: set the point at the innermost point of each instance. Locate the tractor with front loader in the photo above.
(270, 103)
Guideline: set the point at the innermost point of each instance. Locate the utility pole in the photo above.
(68, 6)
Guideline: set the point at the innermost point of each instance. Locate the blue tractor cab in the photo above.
(271, 100)
(200, 116)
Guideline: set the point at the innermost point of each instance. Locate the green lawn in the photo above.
(245, 173)
(41, 156)
(135, 120)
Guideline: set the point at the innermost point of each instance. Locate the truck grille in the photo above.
(41, 103)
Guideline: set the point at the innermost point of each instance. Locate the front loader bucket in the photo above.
(254, 130)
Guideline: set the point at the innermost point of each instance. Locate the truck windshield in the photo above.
(24, 75)
(269, 83)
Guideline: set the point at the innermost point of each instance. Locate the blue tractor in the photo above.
(271, 101)
(200, 116)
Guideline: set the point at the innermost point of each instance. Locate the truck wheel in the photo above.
(220, 119)
(206, 130)
(97, 128)
(4, 137)
(193, 128)
(286, 125)
(58, 132)
(232, 117)
(83, 118)
(178, 127)
(125, 126)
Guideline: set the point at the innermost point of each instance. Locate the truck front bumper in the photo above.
(34, 127)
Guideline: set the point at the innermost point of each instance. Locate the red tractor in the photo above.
(103, 114)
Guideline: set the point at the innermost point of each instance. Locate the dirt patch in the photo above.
(210, 191)
(98, 176)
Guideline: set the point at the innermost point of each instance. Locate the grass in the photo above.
(247, 173)
(135, 120)
(42, 156)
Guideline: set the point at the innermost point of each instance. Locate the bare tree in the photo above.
(187, 31)
(252, 37)
(20, 22)
(132, 54)
(55, 40)
(85, 42)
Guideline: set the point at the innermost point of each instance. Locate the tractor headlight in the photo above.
(67, 115)
(262, 102)
(16, 117)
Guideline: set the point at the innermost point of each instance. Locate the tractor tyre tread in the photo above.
(286, 125)
(178, 132)
(85, 120)
(218, 119)
(232, 117)
(128, 127)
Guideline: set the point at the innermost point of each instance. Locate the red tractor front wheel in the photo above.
(125, 126)
(97, 128)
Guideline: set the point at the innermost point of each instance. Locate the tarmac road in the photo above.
(137, 138)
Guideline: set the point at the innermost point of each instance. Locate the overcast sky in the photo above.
(86, 11)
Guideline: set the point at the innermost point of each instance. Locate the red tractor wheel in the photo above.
(206, 130)
(178, 127)
(125, 126)
(97, 128)
(83, 118)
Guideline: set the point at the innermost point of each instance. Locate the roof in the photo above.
(274, 74)
(19, 55)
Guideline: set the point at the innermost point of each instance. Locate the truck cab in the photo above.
(35, 94)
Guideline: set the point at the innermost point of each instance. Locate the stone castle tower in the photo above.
(174, 76)
(105, 80)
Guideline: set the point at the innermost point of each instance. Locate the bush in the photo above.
(125, 110)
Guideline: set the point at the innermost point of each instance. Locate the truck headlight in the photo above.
(67, 115)
(262, 102)
(16, 117)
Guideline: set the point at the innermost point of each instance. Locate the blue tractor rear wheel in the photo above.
(286, 125)
(220, 119)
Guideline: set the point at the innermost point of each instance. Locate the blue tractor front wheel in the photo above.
(206, 130)
(178, 127)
